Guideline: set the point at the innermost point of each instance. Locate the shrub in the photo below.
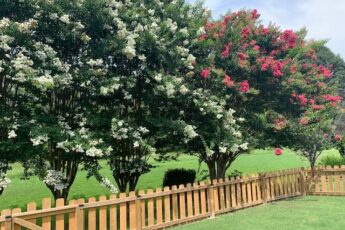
(332, 161)
(235, 173)
(178, 176)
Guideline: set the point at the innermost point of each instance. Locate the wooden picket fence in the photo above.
(160, 208)
(326, 181)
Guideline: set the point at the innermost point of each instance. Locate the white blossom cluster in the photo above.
(228, 138)
(123, 130)
(55, 179)
(107, 183)
(4, 181)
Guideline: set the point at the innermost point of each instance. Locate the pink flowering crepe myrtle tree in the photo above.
(270, 76)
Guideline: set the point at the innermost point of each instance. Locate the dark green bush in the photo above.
(332, 160)
(178, 176)
(235, 173)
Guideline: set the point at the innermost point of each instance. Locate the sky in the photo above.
(324, 19)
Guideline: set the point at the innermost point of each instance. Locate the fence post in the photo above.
(8, 223)
(263, 187)
(79, 215)
(138, 212)
(211, 199)
(303, 182)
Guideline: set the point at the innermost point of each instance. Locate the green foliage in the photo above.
(235, 173)
(178, 177)
(332, 160)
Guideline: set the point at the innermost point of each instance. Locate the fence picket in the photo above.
(249, 190)
(174, 203)
(113, 214)
(182, 199)
(132, 212)
(196, 199)
(71, 222)
(123, 213)
(167, 208)
(32, 207)
(15, 211)
(159, 206)
(92, 215)
(203, 198)
(189, 201)
(103, 215)
(143, 209)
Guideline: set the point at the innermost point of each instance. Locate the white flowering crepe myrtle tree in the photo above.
(45, 51)
(149, 41)
(211, 130)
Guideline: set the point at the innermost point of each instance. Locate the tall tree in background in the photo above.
(272, 78)
(44, 55)
(148, 43)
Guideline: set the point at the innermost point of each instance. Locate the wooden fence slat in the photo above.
(337, 179)
(239, 201)
(343, 178)
(196, 199)
(4, 213)
(46, 221)
(287, 178)
(80, 215)
(323, 181)
(113, 214)
(271, 180)
(210, 198)
(292, 181)
(103, 215)
(227, 194)
(32, 207)
(244, 192)
(249, 190)
(233, 193)
(143, 209)
(189, 201)
(60, 219)
(330, 179)
(15, 211)
(92, 215)
(216, 197)
(267, 189)
(159, 206)
(167, 208)
(174, 204)
(182, 199)
(71, 222)
(132, 212)
(150, 209)
(254, 186)
(203, 198)
(276, 186)
(123, 213)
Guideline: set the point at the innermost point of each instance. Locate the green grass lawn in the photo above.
(20, 192)
(305, 213)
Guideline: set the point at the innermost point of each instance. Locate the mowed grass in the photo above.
(305, 213)
(20, 192)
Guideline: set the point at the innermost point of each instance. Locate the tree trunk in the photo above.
(69, 167)
(121, 182)
(133, 183)
(217, 169)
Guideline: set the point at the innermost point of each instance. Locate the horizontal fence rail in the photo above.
(161, 208)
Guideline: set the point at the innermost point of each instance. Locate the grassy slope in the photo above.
(20, 192)
(306, 213)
